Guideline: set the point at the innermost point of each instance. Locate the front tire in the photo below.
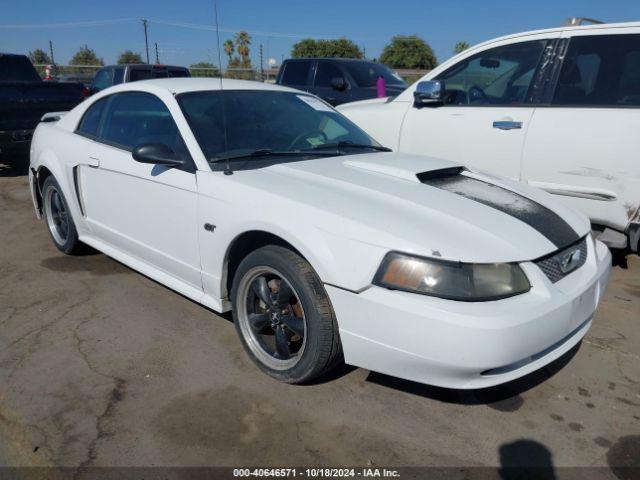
(58, 218)
(284, 317)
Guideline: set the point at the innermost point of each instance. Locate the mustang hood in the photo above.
(429, 207)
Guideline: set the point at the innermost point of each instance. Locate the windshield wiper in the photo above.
(267, 152)
(345, 143)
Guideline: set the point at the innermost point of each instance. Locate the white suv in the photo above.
(558, 109)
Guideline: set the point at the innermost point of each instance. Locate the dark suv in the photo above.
(338, 80)
(115, 74)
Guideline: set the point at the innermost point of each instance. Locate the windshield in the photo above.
(264, 120)
(366, 74)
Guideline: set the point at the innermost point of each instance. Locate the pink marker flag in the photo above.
(381, 86)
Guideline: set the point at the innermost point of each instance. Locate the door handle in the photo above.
(507, 125)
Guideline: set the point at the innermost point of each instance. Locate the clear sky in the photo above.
(278, 24)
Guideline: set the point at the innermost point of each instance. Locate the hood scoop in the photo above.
(411, 168)
(385, 169)
(425, 177)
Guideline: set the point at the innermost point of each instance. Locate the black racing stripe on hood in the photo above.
(537, 216)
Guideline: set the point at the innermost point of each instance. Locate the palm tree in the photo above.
(243, 40)
(229, 48)
(460, 47)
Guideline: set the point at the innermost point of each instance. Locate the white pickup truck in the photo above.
(558, 109)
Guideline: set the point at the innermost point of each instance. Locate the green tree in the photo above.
(240, 69)
(243, 40)
(409, 52)
(85, 56)
(460, 47)
(342, 47)
(229, 49)
(40, 57)
(204, 69)
(129, 57)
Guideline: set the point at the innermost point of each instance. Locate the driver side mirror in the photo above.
(156, 154)
(339, 83)
(430, 92)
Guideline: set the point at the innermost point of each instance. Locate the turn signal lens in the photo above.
(471, 282)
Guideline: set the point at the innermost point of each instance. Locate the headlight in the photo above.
(470, 282)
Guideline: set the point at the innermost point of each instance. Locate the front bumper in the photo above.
(471, 344)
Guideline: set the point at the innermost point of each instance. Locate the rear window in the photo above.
(178, 72)
(139, 74)
(366, 74)
(295, 73)
(17, 69)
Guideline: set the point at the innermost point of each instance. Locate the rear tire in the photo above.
(58, 218)
(294, 339)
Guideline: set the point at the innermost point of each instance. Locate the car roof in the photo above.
(563, 28)
(194, 84)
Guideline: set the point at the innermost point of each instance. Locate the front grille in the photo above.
(551, 264)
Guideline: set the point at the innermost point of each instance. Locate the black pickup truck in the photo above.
(24, 98)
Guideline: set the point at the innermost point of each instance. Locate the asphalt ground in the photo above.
(101, 366)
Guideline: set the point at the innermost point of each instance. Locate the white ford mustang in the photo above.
(267, 201)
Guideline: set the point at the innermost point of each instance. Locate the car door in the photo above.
(147, 211)
(486, 112)
(583, 146)
(330, 84)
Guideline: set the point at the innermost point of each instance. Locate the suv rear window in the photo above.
(600, 70)
(139, 74)
(366, 74)
(295, 73)
(178, 72)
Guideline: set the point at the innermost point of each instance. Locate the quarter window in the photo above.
(498, 76)
(600, 70)
(137, 118)
(296, 73)
(91, 119)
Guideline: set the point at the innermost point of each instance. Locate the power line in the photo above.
(195, 26)
(87, 23)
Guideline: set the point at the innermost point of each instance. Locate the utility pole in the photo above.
(53, 62)
(146, 39)
(157, 57)
(261, 65)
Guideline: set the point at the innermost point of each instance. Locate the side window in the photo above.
(296, 73)
(136, 74)
(118, 76)
(325, 72)
(600, 70)
(136, 118)
(91, 119)
(498, 76)
(102, 80)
